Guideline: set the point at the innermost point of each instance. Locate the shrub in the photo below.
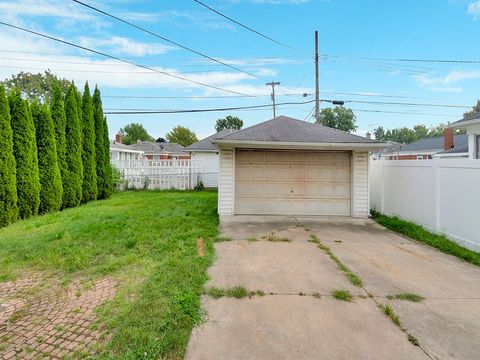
(25, 152)
(49, 173)
(74, 168)
(8, 182)
(89, 184)
(59, 122)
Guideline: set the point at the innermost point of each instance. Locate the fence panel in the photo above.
(442, 194)
(178, 174)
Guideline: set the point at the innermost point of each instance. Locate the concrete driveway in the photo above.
(297, 318)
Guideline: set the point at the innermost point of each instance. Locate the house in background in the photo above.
(472, 126)
(146, 150)
(449, 145)
(205, 154)
(286, 166)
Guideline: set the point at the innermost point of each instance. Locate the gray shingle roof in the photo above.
(206, 144)
(435, 143)
(466, 119)
(153, 147)
(285, 129)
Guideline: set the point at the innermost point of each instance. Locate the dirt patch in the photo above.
(201, 247)
(45, 320)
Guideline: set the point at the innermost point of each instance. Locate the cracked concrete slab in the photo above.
(446, 324)
(297, 327)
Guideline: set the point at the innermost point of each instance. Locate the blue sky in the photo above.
(349, 30)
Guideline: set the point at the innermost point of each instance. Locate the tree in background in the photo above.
(406, 135)
(475, 110)
(49, 173)
(36, 86)
(59, 122)
(72, 190)
(25, 152)
(230, 122)
(8, 182)
(338, 118)
(133, 132)
(102, 186)
(89, 184)
(181, 135)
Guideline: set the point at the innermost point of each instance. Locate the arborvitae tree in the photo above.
(108, 166)
(72, 190)
(8, 183)
(99, 145)
(59, 121)
(89, 186)
(25, 152)
(50, 179)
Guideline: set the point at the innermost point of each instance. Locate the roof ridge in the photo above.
(251, 127)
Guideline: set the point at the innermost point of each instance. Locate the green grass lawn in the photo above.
(144, 240)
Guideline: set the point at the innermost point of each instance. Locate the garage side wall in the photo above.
(226, 182)
(360, 201)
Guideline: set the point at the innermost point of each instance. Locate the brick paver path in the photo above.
(40, 319)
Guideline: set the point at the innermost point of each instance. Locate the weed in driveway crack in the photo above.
(238, 292)
(354, 278)
(274, 238)
(388, 310)
(406, 296)
(343, 295)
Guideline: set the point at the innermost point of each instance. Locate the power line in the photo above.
(403, 113)
(164, 38)
(244, 26)
(407, 104)
(181, 111)
(119, 59)
(447, 61)
(309, 115)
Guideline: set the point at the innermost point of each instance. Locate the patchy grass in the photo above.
(413, 340)
(147, 242)
(419, 233)
(274, 238)
(222, 238)
(352, 277)
(342, 295)
(406, 296)
(252, 239)
(238, 292)
(388, 310)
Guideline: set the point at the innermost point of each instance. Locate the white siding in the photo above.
(360, 201)
(208, 167)
(226, 182)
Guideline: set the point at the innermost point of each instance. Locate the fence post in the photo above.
(382, 193)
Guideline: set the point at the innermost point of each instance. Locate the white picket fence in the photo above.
(443, 195)
(159, 174)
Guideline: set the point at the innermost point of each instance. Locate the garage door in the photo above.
(292, 183)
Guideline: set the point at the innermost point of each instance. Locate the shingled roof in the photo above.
(286, 129)
(206, 144)
(436, 143)
(475, 118)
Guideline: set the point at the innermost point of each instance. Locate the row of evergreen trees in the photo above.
(52, 156)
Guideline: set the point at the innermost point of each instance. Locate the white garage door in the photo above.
(292, 183)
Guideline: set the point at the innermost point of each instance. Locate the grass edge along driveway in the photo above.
(144, 240)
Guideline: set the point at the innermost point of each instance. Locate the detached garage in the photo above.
(286, 166)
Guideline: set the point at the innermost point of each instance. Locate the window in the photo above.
(477, 151)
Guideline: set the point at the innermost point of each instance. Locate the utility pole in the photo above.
(273, 84)
(317, 86)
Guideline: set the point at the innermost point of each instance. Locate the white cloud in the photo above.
(446, 83)
(121, 45)
(43, 8)
(474, 9)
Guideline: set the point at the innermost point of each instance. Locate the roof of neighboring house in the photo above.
(206, 144)
(286, 129)
(119, 146)
(154, 147)
(472, 119)
(435, 144)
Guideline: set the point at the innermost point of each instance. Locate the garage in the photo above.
(289, 167)
(292, 183)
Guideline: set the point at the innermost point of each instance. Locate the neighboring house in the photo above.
(286, 166)
(426, 148)
(472, 125)
(148, 150)
(205, 154)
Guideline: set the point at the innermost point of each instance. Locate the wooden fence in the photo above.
(159, 174)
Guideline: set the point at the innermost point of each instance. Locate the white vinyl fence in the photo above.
(442, 194)
(159, 174)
